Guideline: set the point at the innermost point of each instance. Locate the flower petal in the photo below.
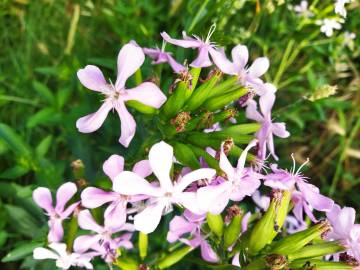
(314, 198)
(148, 219)
(214, 199)
(266, 102)
(161, 159)
(259, 67)
(189, 201)
(177, 67)
(130, 59)
(115, 216)
(146, 93)
(94, 197)
(240, 56)
(220, 60)
(87, 222)
(129, 183)
(128, 124)
(85, 242)
(202, 60)
(189, 43)
(241, 161)
(113, 166)
(225, 164)
(92, 78)
(252, 112)
(142, 168)
(207, 253)
(179, 226)
(56, 231)
(41, 253)
(94, 121)
(204, 173)
(279, 129)
(42, 197)
(64, 193)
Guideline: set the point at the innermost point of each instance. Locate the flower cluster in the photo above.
(190, 170)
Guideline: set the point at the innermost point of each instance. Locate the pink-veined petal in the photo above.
(92, 78)
(113, 166)
(345, 221)
(42, 197)
(85, 242)
(204, 173)
(130, 59)
(202, 60)
(314, 198)
(64, 193)
(93, 197)
(214, 199)
(179, 226)
(161, 159)
(252, 112)
(259, 67)
(115, 216)
(240, 56)
(147, 220)
(87, 222)
(207, 253)
(279, 129)
(56, 231)
(129, 183)
(220, 60)
(146, 93)
(68, 211)
(94, 121)
(142, 168)
(128, 124)
(266, 102)
(189, 43)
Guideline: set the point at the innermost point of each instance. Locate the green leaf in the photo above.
(20, 252)
(44, 146)
(14, 172)
(26, 224)
(62, 97)
(14, 141)
(3, 237)
(44, 92)
(43, 116)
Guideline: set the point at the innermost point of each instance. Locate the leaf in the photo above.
(44, 92)
(44, 116)
(26, 224)
(43, 146)
(62, 97)
(20, 252)
(3, 237)
(14, 141)
(14, 172)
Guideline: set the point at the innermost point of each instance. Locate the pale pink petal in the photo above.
(246, 188)
(94, 121)
(142, 168)
(92, 78)
(279, 129)
(189, 201)
(332, 215)
(240, 56)
(236, 259)
(225, 164)
(41, 253)
(309, 212)
(129, 183)
(64, 193)
(314, 198)
(153, 53)
(60, 249)
(42, 197)
(204, 173)
(56, 231)
(178, 226)
(85, 242)
(161, 159)
(87, 222)
(69, 210)
(207, 253)
(270, 144)
(245, 222)
(241, 161)
(252, 112)
(128, 124)
(259, 67)
(266, 102)
(202, 60)
(94, 197)
(214, 199)
(115, 216)
(189, 43)
(113, 166)
(148, 219)
(220, 60)
(175, 65)
(147, 93)
(345, 221)
(130, 59)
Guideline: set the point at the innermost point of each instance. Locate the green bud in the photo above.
(202, 140)
(317, 250)
(292, 243)
(219, 102)
(201, 93)
(78, 169)
(282, 212)
(223, 115)
(210, 161)
(236, 130)
(216, 224)
(126, 264)
(143, 245)
(224, 87)
(238, 139)
(315, 264)
(185, 155)
(174, 257)
(195, 73)
(233, 230)
(236, 151)
(257, 264)
(140, 107)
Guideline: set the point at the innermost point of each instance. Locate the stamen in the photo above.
(294, 164)
(163, 46)
(302, 165)
(211, 31)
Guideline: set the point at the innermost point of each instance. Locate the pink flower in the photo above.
(161, 197)
(305, 195)
(205, 47)
(268, 129)
(190, 224)
(240, 182)
(42, 197)
(103, 235)
(115, 213)
(64, 259)
(161, 56)
(130, 58)
(345, 229)
(248, 76)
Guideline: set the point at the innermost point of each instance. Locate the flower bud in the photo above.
(143, 245)
(276, 261)
(140, 107)
(185, 155)
(317, 250)
(78, 168)
(224, 87)
(210, 161)
(316, 264)
(236, 130)
(174, 257)
(293, 243)
(216, 224)
(219, 102)
(232, 231)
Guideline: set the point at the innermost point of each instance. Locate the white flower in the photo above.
(328, 26)
(64, 260)
(303, 9)
(340, 7)
(349, 39)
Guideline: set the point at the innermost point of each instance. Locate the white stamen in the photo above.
(302, 165)
(211, 31)
(163, 45)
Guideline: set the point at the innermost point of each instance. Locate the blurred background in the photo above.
(44, 42)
